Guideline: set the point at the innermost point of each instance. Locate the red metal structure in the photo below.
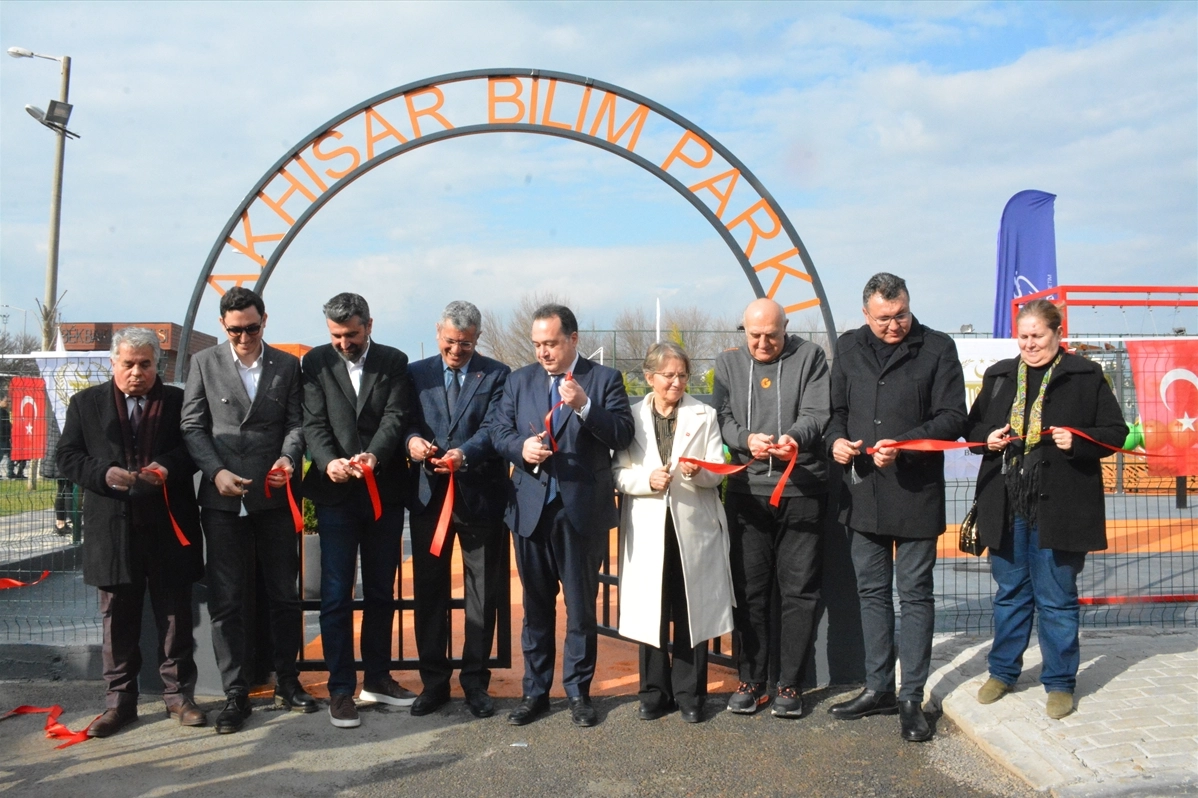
(1066, 296)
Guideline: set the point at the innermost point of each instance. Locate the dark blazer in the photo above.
(920, 394)
(92, 442)
(1071, 515)
(338, 423)
(582, 464)
(223, 429)
(480, 488)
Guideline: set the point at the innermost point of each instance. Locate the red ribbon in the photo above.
(446, 509)
(54, 729)
(183, 541)
(6, 582)
(549, 417)
(788, 452)
(297, 517)
(929, 445)
(372, 487)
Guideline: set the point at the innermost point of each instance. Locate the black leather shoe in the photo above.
(691, 714)
(868, 702)
(581, 711)
(915, 725)
(479, 703)
(290, 695)
(187, 713)
(652, 712)
(111, 722)
(237, 708)
(429, 702)
(529, 709)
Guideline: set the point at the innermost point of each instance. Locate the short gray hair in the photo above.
(887, 285)
(135, 338)
(662, 351)
(344, 307)
(462, 315)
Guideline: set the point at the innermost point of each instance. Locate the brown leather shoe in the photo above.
(111, 722)
(187, 713)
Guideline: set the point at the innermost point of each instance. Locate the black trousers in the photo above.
(556, 553)
(236, 545)
(120, 612)
(774, 545)
(685, 681)
(482, 559)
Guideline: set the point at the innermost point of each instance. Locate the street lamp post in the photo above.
(56, 120)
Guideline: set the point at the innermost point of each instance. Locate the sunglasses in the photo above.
(249, 329)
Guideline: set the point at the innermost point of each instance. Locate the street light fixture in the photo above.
(55, 119)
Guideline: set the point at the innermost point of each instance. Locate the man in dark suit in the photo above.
(562, 502)
(458, 390)
(243, 423)
(358, 401)
(120, 441)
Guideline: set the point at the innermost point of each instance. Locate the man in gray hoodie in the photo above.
(773, 404)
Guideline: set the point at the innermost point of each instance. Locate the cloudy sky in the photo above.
(892, 135)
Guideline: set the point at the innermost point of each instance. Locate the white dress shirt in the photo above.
(355, 369)
(249, 374)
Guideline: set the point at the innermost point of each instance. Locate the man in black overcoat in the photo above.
(894, 379)
(120, 441)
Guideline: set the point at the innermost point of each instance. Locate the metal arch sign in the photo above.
(660, 141)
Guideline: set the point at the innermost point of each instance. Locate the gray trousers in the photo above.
(876, 559)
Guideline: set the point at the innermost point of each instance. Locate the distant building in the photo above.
(97, 336)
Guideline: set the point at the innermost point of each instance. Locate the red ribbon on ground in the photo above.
(788, 452)
(372, 487)
(6, 582)
(297, 516)
(549, 417)
(929, 445)
(54, 729)
(183, 541)
(446, 509)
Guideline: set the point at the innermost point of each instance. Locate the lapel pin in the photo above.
(224, 400)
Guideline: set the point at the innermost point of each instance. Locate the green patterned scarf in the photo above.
(1019, 406)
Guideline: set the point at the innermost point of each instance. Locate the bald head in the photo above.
(765, 329)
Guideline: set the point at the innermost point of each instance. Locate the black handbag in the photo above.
(969, 541)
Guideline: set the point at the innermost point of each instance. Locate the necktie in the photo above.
(135, 419)
(453, 390)
(554, 397)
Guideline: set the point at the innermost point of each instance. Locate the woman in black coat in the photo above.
(1040, 498)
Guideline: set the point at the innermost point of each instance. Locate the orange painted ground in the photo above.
(616, 674)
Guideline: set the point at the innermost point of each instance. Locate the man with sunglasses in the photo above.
(892, 380)
(458, 391)
(243, 424)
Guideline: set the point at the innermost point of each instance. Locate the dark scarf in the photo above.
(147, 433)
(1022, 458)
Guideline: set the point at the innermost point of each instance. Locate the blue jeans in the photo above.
(344, 528)
(1033, 580)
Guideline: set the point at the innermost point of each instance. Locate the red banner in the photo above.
(1166, 378)
(27, 405)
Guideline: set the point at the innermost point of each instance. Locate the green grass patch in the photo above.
(15, 496)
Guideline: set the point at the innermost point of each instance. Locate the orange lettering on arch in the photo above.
(249, 247)
(337, 153)
(712, 185)
(607, 107)
(777, 262)
(238, 280)
(494, 99)
(582, 109)
(414, 115)
(388, 130)
(755, 231)
(277, 205)
(679, 151)
(545, 120)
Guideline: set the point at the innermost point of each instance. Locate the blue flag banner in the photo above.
(1027, 253)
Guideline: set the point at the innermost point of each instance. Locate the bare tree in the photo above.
(505, 338)
(18, 344)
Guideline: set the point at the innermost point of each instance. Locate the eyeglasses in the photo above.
(901, 318)
(249, 329)
(670, 377)
(465, 346)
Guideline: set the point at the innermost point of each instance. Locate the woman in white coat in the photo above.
(673, 539)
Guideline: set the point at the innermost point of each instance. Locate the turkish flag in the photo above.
(1166, 377)
(27, 406)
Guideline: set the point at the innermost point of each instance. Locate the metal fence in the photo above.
(1149, 574)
